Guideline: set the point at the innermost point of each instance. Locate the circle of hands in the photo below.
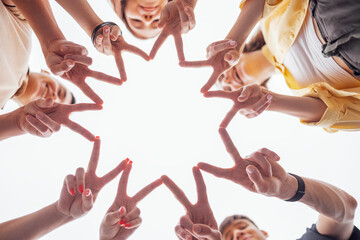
(259, 172)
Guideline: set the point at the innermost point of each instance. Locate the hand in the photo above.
(43, 117)
(221, 55)
(261, 162)
(122, 218)
(197, 215)
(56, 52)
(250, 100)
(175, 19)
(79, 192)
(80, 72)
(111, 42)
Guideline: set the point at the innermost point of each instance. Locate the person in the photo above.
(78, 194)
(261, 173)
(199, 220)
(123, 217)
(148, 19)
(326, 86)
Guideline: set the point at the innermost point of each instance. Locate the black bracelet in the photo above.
(98, 27)
(300, 191)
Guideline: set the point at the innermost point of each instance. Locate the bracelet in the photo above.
(98, 27)
(300, 191)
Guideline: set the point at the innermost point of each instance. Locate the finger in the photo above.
(264, 164)
(43, 103)
(104, 77)
(80, 59)
(263, 108)
(133, 223)
(224, 45)
(246, 93)
(120, 65)
(146, 190)
(195, 63)
(159, 41)
(107, 42)
(259, 105)
(255, 176)
(137, 51)
(212, 80)
(86, 89)
(115, 33)
(95, 154)
(122, 187)
(80, 180)
(184, 20)
(80, 107)
(229, 145)
(79, 129)
(218, 93)
(178, 193)
(232, 57)
(99, 43)
(179, 47)
(47, 121)
(204, 231)
(62, 67)
(216, 171)
(270, 154)
(88, 200)
(131, 215)
(181, 233)
(200, 186)
(191, 16)
(112, 218)
(42, 129)
(73, 49)
(113, 173)
(187, 224)
(164, 17)
(70, 182)
(229, 116)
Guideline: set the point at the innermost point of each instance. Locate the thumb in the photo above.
(202, 230)
(232, 57)
(164, 17)
(44, 102)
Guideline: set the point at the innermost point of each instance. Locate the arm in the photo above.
(8, 125)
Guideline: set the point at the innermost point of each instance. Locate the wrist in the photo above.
(289, 187)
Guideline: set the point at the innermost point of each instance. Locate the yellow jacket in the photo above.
(281, 23)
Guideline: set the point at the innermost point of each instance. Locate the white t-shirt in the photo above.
(15, 46)
(306, 63)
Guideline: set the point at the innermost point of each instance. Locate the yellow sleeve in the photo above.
(242, 3)
(343, 107)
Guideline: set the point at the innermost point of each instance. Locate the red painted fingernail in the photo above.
(122, 222)
(72, 192)
(127, 225)
(97, 137)
(81, 189)
(87, 192)
(130, 162)
(122, 210)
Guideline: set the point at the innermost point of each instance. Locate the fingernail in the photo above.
(127, 225)
(122, 222)
(84, 52)
(97, 137)
(122, 210)
(81, 189)
(106, 29)
(72, 192)
(65, 48)
(69, 64)
(269, 97)
(197, 229)
(232, 43)
(87, 192)
(250, 170)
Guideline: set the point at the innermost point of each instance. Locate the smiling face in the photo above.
(42, 85)
(243, 229)
(141, 16)
(253, 67)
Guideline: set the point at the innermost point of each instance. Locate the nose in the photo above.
(148, 17)
(238, 235)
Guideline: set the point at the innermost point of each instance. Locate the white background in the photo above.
(159, 119)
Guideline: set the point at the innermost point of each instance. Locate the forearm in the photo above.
(249, 16)
(83, 14)
(9, 124)
(308, 109)
(34, 225)
(40, 17)
(191, 3)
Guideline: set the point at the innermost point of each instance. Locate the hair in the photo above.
(73, 99)
(228, 221)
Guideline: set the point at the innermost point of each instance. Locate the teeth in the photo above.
(45, 92)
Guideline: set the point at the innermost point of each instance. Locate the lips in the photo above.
(149, 9)
(45, 93)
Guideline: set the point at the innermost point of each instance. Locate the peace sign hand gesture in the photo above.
(199, 221)
(80, 191)
(78, 74)
(222, 56)
(111, 42)
(175, 19)
(250, 100)
(122, 218)
(44, 116)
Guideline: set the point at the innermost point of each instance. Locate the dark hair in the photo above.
(73, 99)
(228, 221)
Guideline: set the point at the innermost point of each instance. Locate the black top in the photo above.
(313, 234)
